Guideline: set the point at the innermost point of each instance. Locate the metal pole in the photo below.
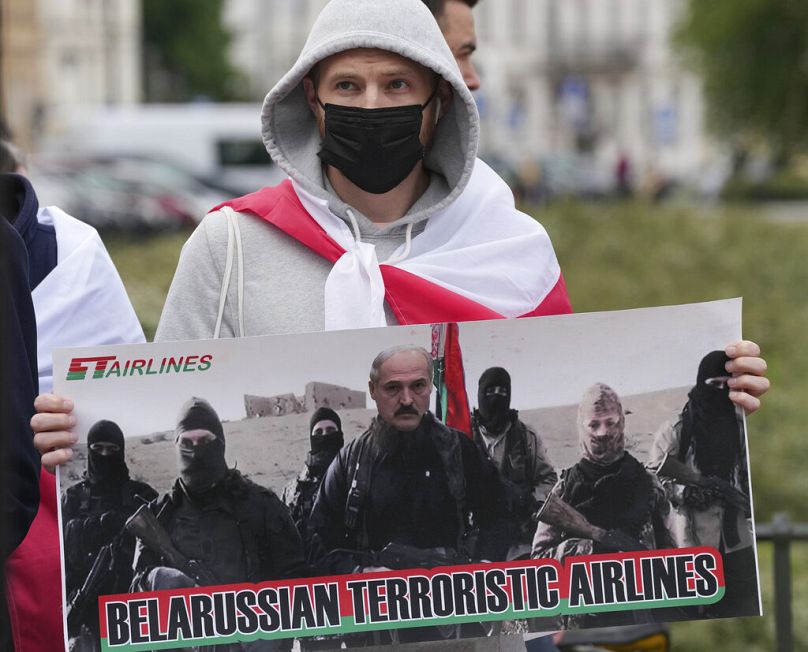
(783, 630)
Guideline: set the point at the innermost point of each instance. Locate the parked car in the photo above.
(218, 142)
(124, 192)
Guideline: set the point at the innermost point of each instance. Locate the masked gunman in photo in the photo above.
(519, 455)
(607, 502)
(215, 526)
(408, 481)
(98, 551)
(326, 440)
(701, 461)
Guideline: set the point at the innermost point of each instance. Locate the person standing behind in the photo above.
(456, 22)
(19, 471)
(79, 300)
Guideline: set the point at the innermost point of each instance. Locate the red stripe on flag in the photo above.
(415, 300)
(457, 404)
(557, 302)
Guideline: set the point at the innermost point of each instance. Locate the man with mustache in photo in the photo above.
(407, 480)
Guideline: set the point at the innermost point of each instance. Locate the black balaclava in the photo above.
(203, 465)
(494, 409)
(106, 469)
(709, 421)
(324, 448)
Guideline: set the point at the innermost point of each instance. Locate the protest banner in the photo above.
(614, 490)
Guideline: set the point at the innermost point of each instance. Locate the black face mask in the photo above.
(374, 148)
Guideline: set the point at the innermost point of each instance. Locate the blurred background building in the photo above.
(570, 87)
(581, 97)
(60, 56)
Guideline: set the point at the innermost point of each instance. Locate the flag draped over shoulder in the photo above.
(478, 259)
(451, 400)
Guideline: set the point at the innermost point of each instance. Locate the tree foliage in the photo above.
(186, 50)
(753, 57)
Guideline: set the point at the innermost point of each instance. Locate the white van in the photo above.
(220, 143)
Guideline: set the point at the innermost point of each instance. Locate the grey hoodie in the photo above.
(283, 282)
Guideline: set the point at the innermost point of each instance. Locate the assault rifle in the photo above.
(84, 597)
(144, 525)
(565, 517)
(399, 556)
(683, 474)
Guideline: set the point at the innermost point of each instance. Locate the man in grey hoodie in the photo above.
(405, 189)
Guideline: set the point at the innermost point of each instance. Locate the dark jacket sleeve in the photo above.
(485, 499)
(327, 529)
(19, 386)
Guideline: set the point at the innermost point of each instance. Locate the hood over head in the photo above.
(404, 27)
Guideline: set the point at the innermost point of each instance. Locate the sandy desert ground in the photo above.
(271, 450)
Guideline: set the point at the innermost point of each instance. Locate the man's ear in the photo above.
(445, 95)
(372, 389)
(311, 94)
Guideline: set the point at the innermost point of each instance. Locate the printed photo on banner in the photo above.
(406, 484)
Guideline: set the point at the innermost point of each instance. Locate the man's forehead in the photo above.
(404, 363)
(360, 60)
(596, 412)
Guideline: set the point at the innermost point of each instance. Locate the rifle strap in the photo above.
(357, 493)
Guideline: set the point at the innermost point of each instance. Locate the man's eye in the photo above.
(399, 84)
(345, 86)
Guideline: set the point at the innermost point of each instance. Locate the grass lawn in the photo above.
(618, 256)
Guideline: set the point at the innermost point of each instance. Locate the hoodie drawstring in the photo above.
(407, 248)
(354, 225)
(393, 259)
